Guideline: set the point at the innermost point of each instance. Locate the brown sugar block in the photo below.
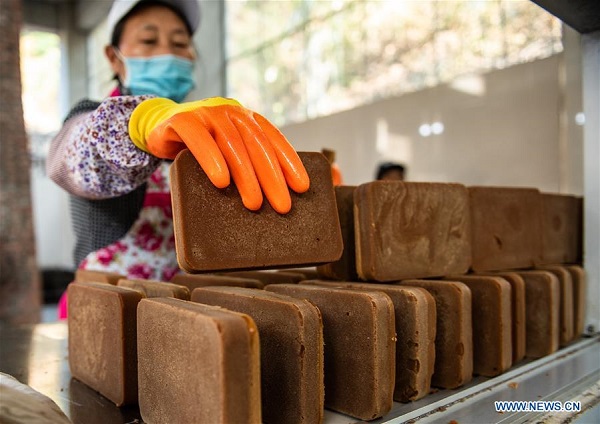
(193, 281)
(560, 228)
(291, 345)
(579, 292)
(411, 230)
(506, 227)
(492, 323)
(517, 293)
(345, 267)
(89, 276)
(360, 347)
(542, 297)
(454, 331)
(415, 317)
(156, 288)
(567, 305)
(102, 339)
(197, 364)
(215, 232)
(268, 277)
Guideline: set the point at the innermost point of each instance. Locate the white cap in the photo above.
(189, 9)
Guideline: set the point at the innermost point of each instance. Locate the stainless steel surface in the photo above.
(37, 355)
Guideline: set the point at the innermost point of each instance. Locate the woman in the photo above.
(110, 156)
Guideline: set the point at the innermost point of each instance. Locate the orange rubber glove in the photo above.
(226, 139)
(336, 175)
(336, 172)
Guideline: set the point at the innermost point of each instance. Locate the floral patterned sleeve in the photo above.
(93, 157)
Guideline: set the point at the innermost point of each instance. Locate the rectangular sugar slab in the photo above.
(215, 232)
(542, 296)
(411, 230)
(291, 340)
(268, 277)
(360, 347)
(197, 364)
(560, 228)
(492, 323)
(345, 267)
(102, 339)
(156, 288)
(454, 332)
(193, 281)
(89, 276)
(506, 228)
(567, 305)
(415, 317)
(517, 285)
(579, 292)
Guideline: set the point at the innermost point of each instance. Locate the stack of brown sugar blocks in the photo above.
(503, 265)
(417, 287)
(537, 237)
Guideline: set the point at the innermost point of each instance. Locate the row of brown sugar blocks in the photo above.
(183, 362)
(364, 371)
(505, 237)
(194, 363)
(291, 346)
(283, 398)
(464, 369)
(360, 344)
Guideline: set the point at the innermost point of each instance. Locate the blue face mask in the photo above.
(164, 76)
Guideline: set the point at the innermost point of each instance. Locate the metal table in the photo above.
(37, 355)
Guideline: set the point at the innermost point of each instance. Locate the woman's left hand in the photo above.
(228, 141)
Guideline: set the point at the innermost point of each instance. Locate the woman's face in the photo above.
(152, 31)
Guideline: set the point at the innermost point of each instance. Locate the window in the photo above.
(297, 60)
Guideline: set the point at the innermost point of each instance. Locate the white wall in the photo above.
(52, 223)
(572, 132)
(501, 128)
